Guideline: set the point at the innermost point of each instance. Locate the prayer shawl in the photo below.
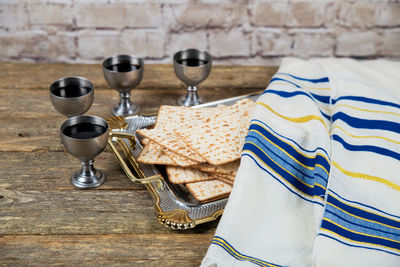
(319, 180)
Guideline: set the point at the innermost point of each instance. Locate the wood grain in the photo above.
(80, 212)
(44, 220)
(41, 75)
(52, 170)
(105, 250)
(30, 123)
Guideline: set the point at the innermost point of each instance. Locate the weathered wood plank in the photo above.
(46, 221)
(41, 75)
(81, 212)
(30, 123)
(52, 170)
(105, 250)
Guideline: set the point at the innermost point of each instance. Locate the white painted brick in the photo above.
(271, 13)
(11, 2)
(142, 43)
(356, 43)
(51, 29)
(118, 15)
(42, 13)
(36, 44)
(136, 1)
(184, 40)
(388, 14)
(331, 10)
(255, 61)
(358, 14)
(235, 32)
(313, 44)
(62, 45)
(272, 43)
(67, 2)
(214, 1)
(390, 43)
(199, 15)
(13, 44)
(13, 17)
(232, 43)
(96, 1)
(98, 44)
(306, 13)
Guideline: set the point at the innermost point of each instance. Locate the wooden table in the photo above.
(44, 220)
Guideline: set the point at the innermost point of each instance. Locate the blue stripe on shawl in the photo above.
(323, 99)
(366, 100)
(291, 140)
(370, 240)
(362, 204)
(245, 154)
(367, 124)
(280, 157)
(279, 170)
(360, 225)
(309, 176)
(356, 246)
(318, 80)
(221, 242)
(367, 148)
(362, 213)
(311, 162)
(295, 93)
(296, 182)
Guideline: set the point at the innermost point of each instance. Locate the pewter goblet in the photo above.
(123, 72)
(72, 96)
(85, 137)
(192, 66)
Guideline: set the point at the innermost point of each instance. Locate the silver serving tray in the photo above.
(175, 206)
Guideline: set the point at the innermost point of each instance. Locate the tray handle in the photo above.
(132, 143)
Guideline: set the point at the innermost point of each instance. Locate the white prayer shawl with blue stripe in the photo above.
(319, 180)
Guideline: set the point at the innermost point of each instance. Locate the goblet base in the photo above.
(123, 111)
(189, 101)
(88, 181)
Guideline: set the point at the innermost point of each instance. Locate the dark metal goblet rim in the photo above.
(192, 53)
(123, 58)
(84, 119)
(83, 82)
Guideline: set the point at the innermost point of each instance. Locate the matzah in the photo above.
(245, 122)
(171, 141)
(227, 168)
(208, 140)
(172, 117)
(152, 154)
(217, 139)
(178, 175)
(227, 181)
(224, 176)
(145, 141)
(179, 160)
(209, 190)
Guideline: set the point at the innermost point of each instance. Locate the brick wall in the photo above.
(235, 32)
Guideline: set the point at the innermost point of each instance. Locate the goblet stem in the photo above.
(87, 169)
(125, 102)
(192, 88)
(88, 176)
(125, 106)
(191, 98)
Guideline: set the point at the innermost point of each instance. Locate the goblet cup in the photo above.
(123, 72)
(72, 96)
(192, 66)
(85, 137)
